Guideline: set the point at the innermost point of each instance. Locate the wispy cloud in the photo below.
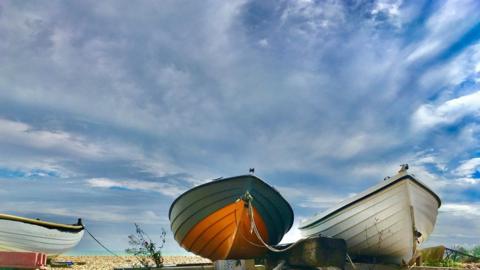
(468, 167)
(108, 213)
(163, 188)
(21, 134)
(313, 94)
(468, 210)
(428, 115)
(308, 198)
(447, 24)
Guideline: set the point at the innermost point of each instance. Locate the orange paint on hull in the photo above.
(225, 234)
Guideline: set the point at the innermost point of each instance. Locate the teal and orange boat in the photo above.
(214, 220)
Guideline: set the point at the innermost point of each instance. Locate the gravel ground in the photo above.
(473, 266)
(110, 262)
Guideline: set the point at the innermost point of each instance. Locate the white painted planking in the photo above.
(19, 236)
(382, 220)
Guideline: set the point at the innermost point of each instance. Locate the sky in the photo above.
(111, 109)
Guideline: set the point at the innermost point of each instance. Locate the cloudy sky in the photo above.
(111, 109)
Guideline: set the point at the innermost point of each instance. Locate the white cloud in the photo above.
(108, 213)
(391, 9)
(468, 167)
(47, 151)
(465, 171)
(453, 72)
(448, 23)
(428, 115)
(310, 198)
(469, 210)
(42, 150)
(309, 18)
(377, 170)
(361, 142)
(163, 188)
(19, 133)
(425, 50)
(327, 96)
(156, 165)
(425, 158)
(387, 6)
(467, 181)
(434, 181)
(263, 43)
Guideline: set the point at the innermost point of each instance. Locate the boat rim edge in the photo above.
(312, 221)
(45, 224)
(231, 178)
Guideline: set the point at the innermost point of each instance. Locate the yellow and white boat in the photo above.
(33, 235)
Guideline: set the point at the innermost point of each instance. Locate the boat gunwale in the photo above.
(311, 222)
(45, 224)
(215, 181)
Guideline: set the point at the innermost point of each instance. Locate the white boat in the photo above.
(385, 222)
(32, 235)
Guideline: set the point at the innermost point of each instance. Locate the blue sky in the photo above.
(111, 109)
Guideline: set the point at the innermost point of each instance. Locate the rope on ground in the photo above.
(253, 227)
(103, 246)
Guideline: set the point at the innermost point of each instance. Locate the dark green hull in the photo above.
(198, 203)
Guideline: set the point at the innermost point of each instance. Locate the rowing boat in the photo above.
(32, 235)
(386, 222)
(214, 220)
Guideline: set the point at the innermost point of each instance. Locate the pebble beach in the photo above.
(110, 262)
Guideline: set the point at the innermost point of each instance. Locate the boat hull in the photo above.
(24, 237)
(388, 223)
(226, 234)
(213, 220)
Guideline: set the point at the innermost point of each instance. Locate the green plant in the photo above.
(476, 251)
(443, 263)
(457, 256)
(450, 263)
(144, 249)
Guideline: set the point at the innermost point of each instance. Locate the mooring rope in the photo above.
(253, 227)
(250, 242)
(351, 262)
(103, 246)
